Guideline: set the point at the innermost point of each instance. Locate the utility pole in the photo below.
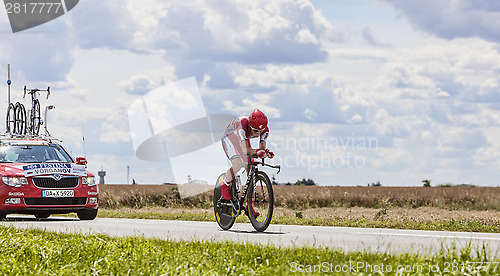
(128, 174)
(9, 82)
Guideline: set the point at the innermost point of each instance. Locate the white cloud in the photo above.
(356, 118)
(367, 35)
(79, 93)
(98, 24)
(457, 138)
(138, 84)
(274, 76)
(427, 104)
(242, 31)
(310, 114)
(305, 36)
(486, 156)
(453, 19)
(394, 126)
(394, 159)
(112, 134)
(47, 60)
(259, 101)
(297, 93)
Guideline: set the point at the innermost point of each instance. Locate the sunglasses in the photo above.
(255, 129)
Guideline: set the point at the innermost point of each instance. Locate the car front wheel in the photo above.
(89, 214)
(42, 216)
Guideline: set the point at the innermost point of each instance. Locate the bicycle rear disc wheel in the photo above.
(223, 214)
(261, 199)
(11, 118)
(20, 119)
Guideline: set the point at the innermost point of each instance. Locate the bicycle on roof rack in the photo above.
(16, 118)
(20, 122)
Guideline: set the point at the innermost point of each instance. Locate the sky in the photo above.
(356, 91)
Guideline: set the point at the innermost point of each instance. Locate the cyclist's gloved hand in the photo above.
(269, 153)
(261, 153)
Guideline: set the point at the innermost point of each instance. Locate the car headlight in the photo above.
(88, 181)
(14, 181)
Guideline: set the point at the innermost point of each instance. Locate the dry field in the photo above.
(308, 197)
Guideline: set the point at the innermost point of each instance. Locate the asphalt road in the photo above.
(347, 239)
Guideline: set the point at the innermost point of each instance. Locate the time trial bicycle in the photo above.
(258, 194)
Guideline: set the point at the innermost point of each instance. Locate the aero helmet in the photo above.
(257, 120)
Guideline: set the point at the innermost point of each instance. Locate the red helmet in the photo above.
(257, 120)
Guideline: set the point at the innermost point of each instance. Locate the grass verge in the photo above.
(36, 252)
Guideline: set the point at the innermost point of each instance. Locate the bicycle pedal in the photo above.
(221, 203)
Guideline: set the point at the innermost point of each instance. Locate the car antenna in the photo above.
(83, 141)
(9, 82)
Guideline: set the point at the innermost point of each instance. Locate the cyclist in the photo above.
(236, 144)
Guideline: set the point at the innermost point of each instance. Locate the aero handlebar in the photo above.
(254, 162)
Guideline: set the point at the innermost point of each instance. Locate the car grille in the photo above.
(55, 201)
(49, 182)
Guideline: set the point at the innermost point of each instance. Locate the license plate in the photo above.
(58, 193)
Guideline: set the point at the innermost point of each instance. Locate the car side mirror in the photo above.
(81, 161)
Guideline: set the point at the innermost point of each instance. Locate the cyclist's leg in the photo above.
(234, 155)
(236, 165)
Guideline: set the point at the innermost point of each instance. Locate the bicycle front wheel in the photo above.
(36, 119)
(224, 214)
(261, 199)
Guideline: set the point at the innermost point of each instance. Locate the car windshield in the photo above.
(27, 153)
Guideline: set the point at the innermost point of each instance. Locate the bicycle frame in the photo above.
(35, 120)
(250, 181)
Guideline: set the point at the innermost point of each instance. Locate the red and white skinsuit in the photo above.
(236, 132)
(236, 144)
